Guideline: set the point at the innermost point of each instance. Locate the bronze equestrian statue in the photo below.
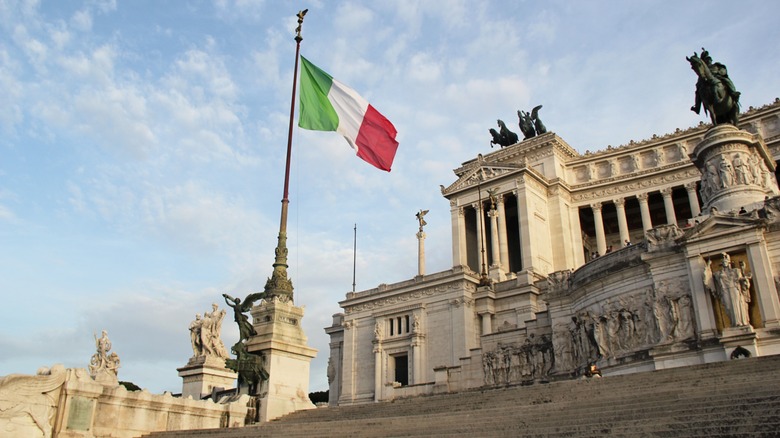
(714, 90)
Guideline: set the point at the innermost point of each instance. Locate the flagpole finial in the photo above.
(300, 15)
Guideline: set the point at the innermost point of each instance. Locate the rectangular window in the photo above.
(402, 369)
(391, 327)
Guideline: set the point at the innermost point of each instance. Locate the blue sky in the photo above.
(142, 145)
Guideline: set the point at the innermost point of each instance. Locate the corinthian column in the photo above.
(644, 209)
(671, 218)
(601, 240)
(620, 205)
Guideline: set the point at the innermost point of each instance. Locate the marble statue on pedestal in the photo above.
(102, 363)
(206, 334)
(732, 288)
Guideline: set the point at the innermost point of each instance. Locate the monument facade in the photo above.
(655, 254)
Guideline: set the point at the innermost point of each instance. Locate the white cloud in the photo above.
(81, 21)
(423, 68)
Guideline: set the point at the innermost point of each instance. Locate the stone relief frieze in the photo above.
(687, 173)
(533, 359)
(622, 325)
(733, 169)
(401, 298)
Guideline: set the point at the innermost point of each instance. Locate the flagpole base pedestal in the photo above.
(281, 339)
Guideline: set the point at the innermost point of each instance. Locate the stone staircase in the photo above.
(725, 399)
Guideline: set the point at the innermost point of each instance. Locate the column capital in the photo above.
(666, 192)
(642, 197)
(595, 206)
(691, 186)
(619, 202)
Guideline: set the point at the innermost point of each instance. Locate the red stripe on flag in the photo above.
(376, 140)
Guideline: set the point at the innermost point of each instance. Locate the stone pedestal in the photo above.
(204, 373)
(737, 169)
(735, 337)
(281, 339)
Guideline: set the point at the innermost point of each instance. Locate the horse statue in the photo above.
(714, 90)
(504, 137)
(531, 124)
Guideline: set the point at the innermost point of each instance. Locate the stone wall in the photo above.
(60, 402)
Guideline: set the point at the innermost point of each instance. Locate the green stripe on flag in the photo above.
(317, 113)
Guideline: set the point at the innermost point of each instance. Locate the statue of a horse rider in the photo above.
(714, 90)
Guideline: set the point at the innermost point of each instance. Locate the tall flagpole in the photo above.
(279, 285)
(354, 257)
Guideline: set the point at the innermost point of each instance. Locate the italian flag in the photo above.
(329, 105)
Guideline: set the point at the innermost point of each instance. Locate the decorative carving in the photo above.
(26, 398)
(662, 236)
(634, 185)
(533, 359)
(659, 156)
(381, 302)
(623, 325)
(559, 282)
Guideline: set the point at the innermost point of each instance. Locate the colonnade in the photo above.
(644, 208)
(484, 242)
(488, 235)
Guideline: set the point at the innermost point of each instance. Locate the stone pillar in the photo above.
(481, 255)
(644, 209)
(620, 205)
(494, 250)
(601, 241)
(459, 256)
(496, 270)
(764, 285)
(502, 239)
(349, 363)
(693, 199)
(377, 372)
(487, 323)
(420, 253)
(417, 377)
(334, 373)
(671, 218)
(702, 303)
